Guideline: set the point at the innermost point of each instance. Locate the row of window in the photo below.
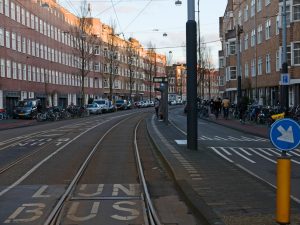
(14, 70)
(292, 10)
(22, 44)
(26, 18)
(293, 56)
(231, 44)
(19, 71)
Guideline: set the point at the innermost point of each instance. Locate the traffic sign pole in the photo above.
(285, 136)
(283, 190)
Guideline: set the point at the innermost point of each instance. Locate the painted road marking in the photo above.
(246, 153)
(231, 138)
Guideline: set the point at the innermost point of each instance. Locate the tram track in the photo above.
(56, 212)
(57, 215)
(25, 138)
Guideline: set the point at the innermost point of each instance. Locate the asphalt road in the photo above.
(251, 153)
(38, 164)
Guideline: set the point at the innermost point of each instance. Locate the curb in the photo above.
(17, 126)
(197, 204)
(236, 128)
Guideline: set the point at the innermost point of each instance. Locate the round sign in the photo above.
(285, 134)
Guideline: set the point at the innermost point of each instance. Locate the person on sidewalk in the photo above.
(156, 107)
(217, 107)
(243, 108)
(225, 105)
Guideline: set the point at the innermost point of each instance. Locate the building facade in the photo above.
(177, 82)
(45, 53)
(253, 27)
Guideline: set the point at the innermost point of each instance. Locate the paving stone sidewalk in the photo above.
(220, 191)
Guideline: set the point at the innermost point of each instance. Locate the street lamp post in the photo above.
(239, 30)
(191, 59)
(284, 101)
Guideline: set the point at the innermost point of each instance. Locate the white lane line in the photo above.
(244, 138)
(246, 152)
(207, 138)
(195, 175)
(221, 138)
(296, 150)
(233, 138)
(263, 156)
(196, 178)
(224, 150)
(274, 151)
(261, 139)
(244, 157)
(220, 154)
(264, 151)
(33, 169)
(294, 153)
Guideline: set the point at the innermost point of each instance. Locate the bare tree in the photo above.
(131, 58)
(208, 68)
(111, 58)
(83, 41)
(151, 70)
(201, 68)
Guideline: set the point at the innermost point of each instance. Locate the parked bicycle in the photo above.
(3, 114)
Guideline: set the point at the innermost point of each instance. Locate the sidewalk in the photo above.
(15, 123)
(219, 191)
(248, 127)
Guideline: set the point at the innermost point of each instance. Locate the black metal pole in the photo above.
(284, 100)
(239, 78)
(191, 59)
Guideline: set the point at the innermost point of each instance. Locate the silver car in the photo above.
(94, 108)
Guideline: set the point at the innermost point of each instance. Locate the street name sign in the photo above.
(285, 134)
(160, 80)
(285, 79)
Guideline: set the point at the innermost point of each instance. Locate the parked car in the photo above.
(129, 105)
(27, 108)
(103, 104)
(94, 108)
(121, 104)
(137, 104)
(172, 102)
(111, 107)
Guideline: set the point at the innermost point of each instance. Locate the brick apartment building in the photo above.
(39, 58)
(177, 82)
(211, 85)
(259, 24)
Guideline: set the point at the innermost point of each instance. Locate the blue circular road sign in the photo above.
(285, 134)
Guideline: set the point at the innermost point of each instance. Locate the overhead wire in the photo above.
(138, 15)
(117, 18)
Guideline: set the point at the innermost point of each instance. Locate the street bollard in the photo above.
(283, 190)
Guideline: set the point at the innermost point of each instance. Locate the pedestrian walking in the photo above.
(243, 108)
(225, 105)
(156, 107)
(217, 107)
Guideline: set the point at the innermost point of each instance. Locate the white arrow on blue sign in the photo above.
(285, 79)
(285, 134)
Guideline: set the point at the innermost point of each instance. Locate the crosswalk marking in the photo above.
(248, 153)
(223, 149)
(236, 152)
(220, 154)
(231, 138)
(243, 150)
(261, 155)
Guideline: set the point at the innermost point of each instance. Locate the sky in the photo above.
(160, 22)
